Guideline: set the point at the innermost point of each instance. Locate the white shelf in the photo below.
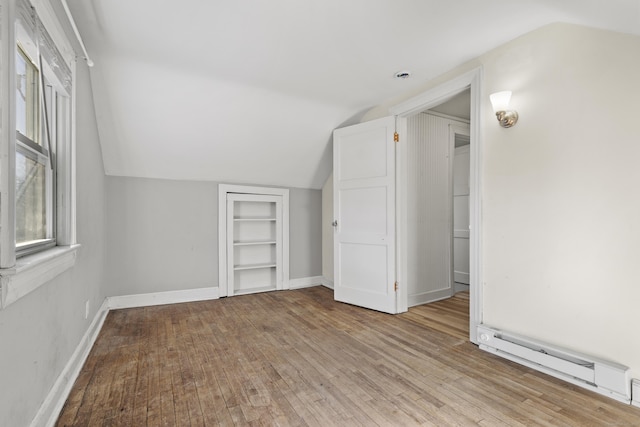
(253, 266)
(255, 242)
(255, 290)
(251, 219)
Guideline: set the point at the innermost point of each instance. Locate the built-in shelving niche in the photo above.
(255, 225)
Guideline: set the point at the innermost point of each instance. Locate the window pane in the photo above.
(21, 94)
(31, 199)
(27, 107)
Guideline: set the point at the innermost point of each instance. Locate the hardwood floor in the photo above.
(299, 358)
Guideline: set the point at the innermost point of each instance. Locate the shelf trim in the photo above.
(241, 267)
(255, 290)
(255, 243)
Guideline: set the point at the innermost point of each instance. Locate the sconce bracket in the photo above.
(507, 118)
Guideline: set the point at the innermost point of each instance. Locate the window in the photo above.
(37, 213)
(35, 169)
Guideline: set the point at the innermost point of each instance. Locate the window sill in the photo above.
(33, 271)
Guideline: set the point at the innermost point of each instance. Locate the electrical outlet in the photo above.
(86, 309)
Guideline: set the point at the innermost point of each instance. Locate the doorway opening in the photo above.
(436, 99)
(437, 171)
(371, 204)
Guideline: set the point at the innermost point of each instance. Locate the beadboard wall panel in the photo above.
(430, 210)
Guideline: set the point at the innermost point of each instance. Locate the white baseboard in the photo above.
(427, 297)
(50, 409)
(460, 287)
(161, 298)
(462, 277)
(305, 282)
(327, 283)
(635, 393)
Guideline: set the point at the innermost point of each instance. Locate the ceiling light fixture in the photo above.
(402, 74)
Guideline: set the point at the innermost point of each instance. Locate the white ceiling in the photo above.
(458, 106)
(248, 91)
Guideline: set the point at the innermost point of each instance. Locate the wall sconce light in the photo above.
(500, 103)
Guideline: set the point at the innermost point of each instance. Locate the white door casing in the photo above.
(417, 104)
(460, 209)
(364, 214)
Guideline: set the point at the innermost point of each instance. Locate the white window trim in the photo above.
(19, 277)
(33, 271)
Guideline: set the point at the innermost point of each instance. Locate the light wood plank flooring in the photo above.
(298, 358)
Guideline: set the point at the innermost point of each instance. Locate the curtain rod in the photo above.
(77, 33)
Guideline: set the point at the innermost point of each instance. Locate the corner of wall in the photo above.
(50, 409)
(327, 283)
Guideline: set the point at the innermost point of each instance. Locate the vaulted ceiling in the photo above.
(249, 91)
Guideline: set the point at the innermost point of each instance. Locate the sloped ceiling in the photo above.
(249, 91)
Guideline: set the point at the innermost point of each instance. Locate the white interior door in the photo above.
(364, 213)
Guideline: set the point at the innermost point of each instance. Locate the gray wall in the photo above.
(305, 233)
(40, 332)
(163, 235)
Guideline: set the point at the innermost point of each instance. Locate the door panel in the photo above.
(364, 267)
(357, 204)
(364, 210)
(369, 148)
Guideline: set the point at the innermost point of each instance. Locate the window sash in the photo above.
(29, 144)
(28, 110)
(35, 192)
(34, 195)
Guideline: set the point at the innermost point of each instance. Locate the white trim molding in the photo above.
(161, 298)
(33, 271)
(635, 392)
(305, 282)
(48, 16)
(327, 283)
(50, 409)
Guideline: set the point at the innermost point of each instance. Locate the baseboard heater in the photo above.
(608, 378)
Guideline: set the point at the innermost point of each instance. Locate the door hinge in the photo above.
(396, 137)
(395, 286)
